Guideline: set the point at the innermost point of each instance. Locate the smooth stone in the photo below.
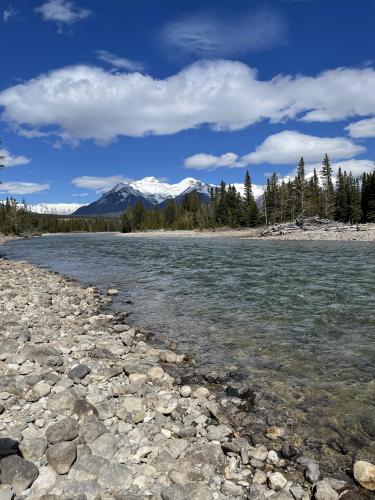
(112, 291)
(61, 456)
(185, 391)
(87, 467)
(155, 373)
(364, 474)
(201, 393)
(17, 472)
(79, 371)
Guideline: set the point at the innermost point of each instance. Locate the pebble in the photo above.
(364, 474)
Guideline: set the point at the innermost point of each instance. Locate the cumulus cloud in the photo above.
(356, 167)
(13, 160)
(202, 161)
(362, 128)
(118, 62)
(288, 146)
(84, 102)
(62, 11)
(13, 188)
(99, 184)
(208, 35)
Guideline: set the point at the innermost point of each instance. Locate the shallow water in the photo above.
(296, 317)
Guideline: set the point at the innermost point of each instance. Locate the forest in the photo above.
(345, 198)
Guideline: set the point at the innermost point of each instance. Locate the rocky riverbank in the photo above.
(90, 409)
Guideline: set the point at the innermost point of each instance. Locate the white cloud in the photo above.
(99, 184)
(14, 188)
(13, 160)
(356, 167)
(118, 62)
(288, 146)
(62, 11)
(8, 13)
(362, 128)
(258, 189)
(84, 102)
(203, 161)
(208, 35)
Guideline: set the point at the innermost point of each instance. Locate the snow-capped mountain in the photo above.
(55, 208)
(149, 191)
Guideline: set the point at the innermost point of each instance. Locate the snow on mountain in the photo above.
(156, 190)
(258, 190)
(52, 208)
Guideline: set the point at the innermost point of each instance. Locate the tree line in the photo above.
(348, 199)
(16, 218)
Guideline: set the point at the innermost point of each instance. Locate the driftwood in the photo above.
(309, 224)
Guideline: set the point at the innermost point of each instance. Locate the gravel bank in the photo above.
(366, 233)
(89, 409)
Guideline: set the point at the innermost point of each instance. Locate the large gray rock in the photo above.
(87, 467)
(62, 402)
(61, 456)
(17, 472)
(33, 448)
(64, 430)
(115, 476)
(218, 432)
(91, 429)
(186, 492)
(105, 446)
(132, 409)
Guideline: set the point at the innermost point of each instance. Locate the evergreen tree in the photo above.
(300, 183)
(328, 192)
(250, 208)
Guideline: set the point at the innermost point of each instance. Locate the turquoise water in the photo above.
(296, 318)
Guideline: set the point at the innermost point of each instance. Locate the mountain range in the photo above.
(150, 191)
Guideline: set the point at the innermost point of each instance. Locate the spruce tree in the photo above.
(250, 208)
(301, 187)
(328, 192)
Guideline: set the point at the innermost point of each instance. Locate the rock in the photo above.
(323, 491)
(260, 452)
(274, 433)
(272, 457)
(137, 378)
(156, 373)
(276, 481)
(312, 472)
(297, 491)
(33, 448)
(6, 492)
(61, 456)
(232, 490)
(87, 467)
(185, 391)
(45, 481)
(115, 476)
(259, 477)
(112, 291)
(105, 446)
(79, 371)
(132, 409)
(91, 429)
(336, 484)
(364, 474)
(288, 451)
(186, 492)
(218, 432)
(40, 390)
(62, 402)
(64, 430)
(257, 492)
(201, 393)
(17, 472)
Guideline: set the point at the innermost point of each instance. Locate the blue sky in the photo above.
(91, 90)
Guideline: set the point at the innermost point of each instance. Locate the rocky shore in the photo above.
(89, 409)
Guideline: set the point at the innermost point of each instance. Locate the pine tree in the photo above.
(328, 192)
(138, 215)
(300, 183)
(250, 209)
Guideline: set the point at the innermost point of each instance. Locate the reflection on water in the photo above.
(298, 317)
